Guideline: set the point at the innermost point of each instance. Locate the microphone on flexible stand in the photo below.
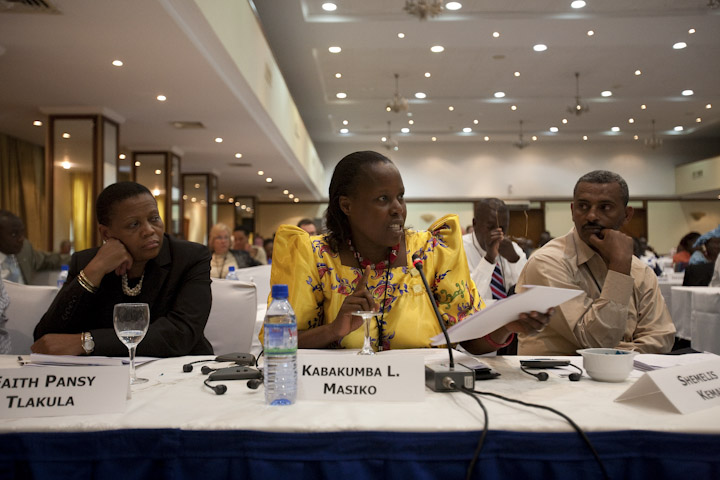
(443, 378)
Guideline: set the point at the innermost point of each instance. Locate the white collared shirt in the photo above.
(481, 270)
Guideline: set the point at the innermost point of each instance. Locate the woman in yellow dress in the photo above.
(364, 262)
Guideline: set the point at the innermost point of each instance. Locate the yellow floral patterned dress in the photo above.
(318, 284)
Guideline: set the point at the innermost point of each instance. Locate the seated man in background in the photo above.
(308, 225)
(18, 259)
(701, 274)
(242, 242)
(495, 261)
(622, 305)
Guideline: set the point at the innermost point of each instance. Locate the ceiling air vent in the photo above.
(239, 165)
(27, 6)
(185, 125)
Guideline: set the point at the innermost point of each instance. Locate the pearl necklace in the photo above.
(131, 292)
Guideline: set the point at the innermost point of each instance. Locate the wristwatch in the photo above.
(88, 343)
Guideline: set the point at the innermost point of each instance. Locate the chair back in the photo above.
(260, 276)
(231, 322)
(28, 303)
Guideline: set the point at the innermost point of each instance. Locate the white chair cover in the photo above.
(232, 316)
(260, 276)
(28, 303)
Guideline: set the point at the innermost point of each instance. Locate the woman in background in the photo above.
(222, 256)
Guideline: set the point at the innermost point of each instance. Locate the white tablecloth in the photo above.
(666, 282)
(696, 314)
(173, 399)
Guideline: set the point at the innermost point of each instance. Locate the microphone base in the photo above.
(440, 377)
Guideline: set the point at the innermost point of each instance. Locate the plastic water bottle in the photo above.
(280, 371)
(62, 277)
(232, 274)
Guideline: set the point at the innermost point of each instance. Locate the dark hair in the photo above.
(305, 221)
(240, 228)
(343, 183)
(688, 240)
(117, 192)
(604, 176)
(490, 204)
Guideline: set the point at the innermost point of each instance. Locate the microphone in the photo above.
(442, 378)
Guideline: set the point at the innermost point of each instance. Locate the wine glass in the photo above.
(131, 321)
(367, 346)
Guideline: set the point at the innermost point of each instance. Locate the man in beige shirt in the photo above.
(622, 305)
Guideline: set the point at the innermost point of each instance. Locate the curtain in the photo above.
(22, 186)
(82, 209)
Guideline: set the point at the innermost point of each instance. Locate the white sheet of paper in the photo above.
(84, 360)
(500, 313)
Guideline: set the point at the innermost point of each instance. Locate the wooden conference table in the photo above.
(173, 427)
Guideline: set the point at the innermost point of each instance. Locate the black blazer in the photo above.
(176, 286)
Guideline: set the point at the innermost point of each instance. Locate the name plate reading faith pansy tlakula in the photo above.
(59, 391)
(346, 376)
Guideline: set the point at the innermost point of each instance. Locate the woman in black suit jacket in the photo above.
(136, 263)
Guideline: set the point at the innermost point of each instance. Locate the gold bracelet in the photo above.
(86, 283)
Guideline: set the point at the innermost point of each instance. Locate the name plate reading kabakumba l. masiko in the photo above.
(688, 388)
(385, 377)
(59, 391)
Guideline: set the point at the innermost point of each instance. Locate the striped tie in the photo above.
(496, 284)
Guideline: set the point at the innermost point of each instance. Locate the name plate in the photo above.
(58, 391)
(688, 388)
(352, 377)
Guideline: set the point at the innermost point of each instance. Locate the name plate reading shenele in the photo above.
(352, 377)
(687, 387)
(59, 391)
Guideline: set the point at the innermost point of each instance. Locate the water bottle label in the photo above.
(280, 339)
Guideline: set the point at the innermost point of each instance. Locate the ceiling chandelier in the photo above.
(398, 103)
(579, 108)
(521, 143)
(653, 141)
(388, 142)
(424, 8)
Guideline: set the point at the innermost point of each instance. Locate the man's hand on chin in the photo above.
(615, 248)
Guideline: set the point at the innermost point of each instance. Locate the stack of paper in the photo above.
(647, 362)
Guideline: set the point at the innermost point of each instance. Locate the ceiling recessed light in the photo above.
(401, 35)
(296, 200)
(261, 172)
(534, 138)
(291, 196)
(708, 106)
(615, 129)
(486, 138)
(221, 196)
(345, 122)
(631, 120)
(285, 192)
(517, 74)
(467, 130)
(433, 139)
(341, 95)
(691, 31)
(496, 34)
(564, 120)
(437, 49)
(329, 7)
(678, 128)
(338, 75)
(66, 165)
(606, 93)
(499, 94)
(636, 137)
(451, 108)
(427, 75)
(585, 137)
(405, 130)
(554, 129)
(161, 98)
(218, 140)
(137, 164)
(344, 130)
(476, 121)
(590, 33)
(117, 63)
(383, 139)
(513, 107)
(66, 135)
(411, 122)
(643, 107)
(37, 123)
(680, 45)
(578, 4)
(698, 120)
(158, 171)
(334, 49)
(420, 95)
(453, 5)
(638, 72)
(540, 47)
(687, 93)
(268, 179)
(238, 155)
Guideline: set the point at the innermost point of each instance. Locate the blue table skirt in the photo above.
(207, 455)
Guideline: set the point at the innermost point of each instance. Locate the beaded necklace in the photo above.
(132, 292)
